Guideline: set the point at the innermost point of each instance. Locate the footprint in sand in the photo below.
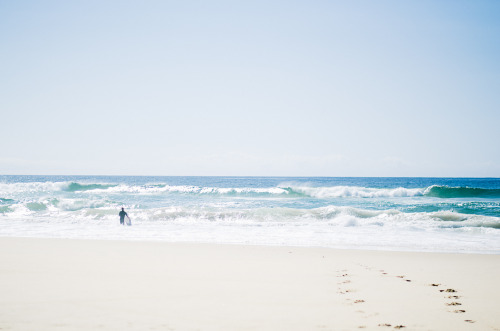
(403, 277)
(399, 326)
(359, 301)
(385, 324)
(454, 304)
(459, 311)
(344, 292)
(470, 321)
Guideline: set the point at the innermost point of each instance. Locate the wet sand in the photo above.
(51, 284)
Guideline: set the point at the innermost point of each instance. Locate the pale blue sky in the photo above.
(304, 88)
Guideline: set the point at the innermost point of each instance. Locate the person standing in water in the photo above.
(122, 216)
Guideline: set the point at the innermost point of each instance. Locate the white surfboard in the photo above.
(128, 221)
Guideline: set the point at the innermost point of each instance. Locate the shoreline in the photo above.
(80, 284)
(369, 248)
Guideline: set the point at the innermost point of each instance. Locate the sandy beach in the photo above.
(51, 284)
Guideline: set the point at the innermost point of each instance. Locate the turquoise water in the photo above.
(420, 214)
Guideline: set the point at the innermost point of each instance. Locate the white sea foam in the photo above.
(89, 210)
(340, 227)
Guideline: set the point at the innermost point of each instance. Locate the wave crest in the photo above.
(438, 191)
(355, 191)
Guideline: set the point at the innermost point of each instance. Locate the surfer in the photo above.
(122, 216)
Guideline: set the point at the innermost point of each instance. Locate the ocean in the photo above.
(405, 214)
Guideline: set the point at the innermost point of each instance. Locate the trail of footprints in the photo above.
(344, 288)
(445, 291)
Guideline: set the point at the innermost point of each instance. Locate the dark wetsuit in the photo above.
(122, 217)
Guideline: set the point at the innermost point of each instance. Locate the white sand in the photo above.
(49, 284)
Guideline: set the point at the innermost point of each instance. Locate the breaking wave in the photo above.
(280, 190)
(283, 190)
(353, 191)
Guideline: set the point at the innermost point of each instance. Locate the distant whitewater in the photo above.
(417, 214)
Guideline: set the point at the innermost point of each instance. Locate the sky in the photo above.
(250, 88)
